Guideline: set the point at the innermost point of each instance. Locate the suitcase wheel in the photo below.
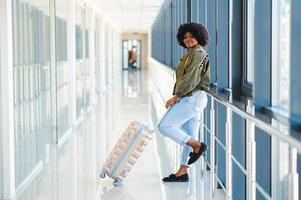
(117, 182)
(102, 174)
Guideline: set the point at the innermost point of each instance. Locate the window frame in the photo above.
(189, 11)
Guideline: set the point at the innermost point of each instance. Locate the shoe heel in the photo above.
(204, 154)
(205, 150)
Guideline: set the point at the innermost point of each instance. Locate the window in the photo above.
(248, 48)
(281, 10)
(61, 39)
(78, 38)
(62, 67)
(281, 54)
(32, 99)
(250, 39)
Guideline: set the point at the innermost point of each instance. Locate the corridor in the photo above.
(75, 73)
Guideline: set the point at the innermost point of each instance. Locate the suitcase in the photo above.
(126, 152)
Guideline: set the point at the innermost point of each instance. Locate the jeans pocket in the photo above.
(188, 101)
(185, 99)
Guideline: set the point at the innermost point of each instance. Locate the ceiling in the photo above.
(130, 15)
(125, 15)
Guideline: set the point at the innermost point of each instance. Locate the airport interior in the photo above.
(75, 75)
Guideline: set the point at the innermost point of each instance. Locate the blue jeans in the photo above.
(181, 122)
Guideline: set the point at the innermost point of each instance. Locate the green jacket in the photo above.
(192, 73)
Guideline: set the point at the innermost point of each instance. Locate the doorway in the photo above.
(131, 54)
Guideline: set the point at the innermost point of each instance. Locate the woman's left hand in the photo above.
(171, 101)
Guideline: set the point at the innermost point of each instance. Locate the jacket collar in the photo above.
(196, 47)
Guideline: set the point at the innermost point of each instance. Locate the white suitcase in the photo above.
(126, 152)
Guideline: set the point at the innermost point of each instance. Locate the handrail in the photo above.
(293, 138)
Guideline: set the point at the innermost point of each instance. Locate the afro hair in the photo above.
(198, 31)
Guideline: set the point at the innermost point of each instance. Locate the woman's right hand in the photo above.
(171, 101)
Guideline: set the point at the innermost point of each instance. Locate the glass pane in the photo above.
(250, 41)
(65, 162)
(281, 83)
(31, 76)
(97, 56)
(138, 50)
(62, 67)
(79, 35)
(281, 162)
(88, 75)
(87, 43)
(125, 55)
(281, 89)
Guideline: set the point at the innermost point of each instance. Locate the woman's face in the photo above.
(189, 40)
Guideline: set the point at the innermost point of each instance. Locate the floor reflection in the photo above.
(143, 182)
(132, 83)
(115, 193)
(178, 191)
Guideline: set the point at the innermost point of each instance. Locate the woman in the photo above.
(181, 122)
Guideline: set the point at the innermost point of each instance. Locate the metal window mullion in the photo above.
(251, 157)
(293, 186)
(30, 82)
(212, 150)
(202, 138)
(7, 100)
(275, 151)
(36, 86)
(229, 175)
